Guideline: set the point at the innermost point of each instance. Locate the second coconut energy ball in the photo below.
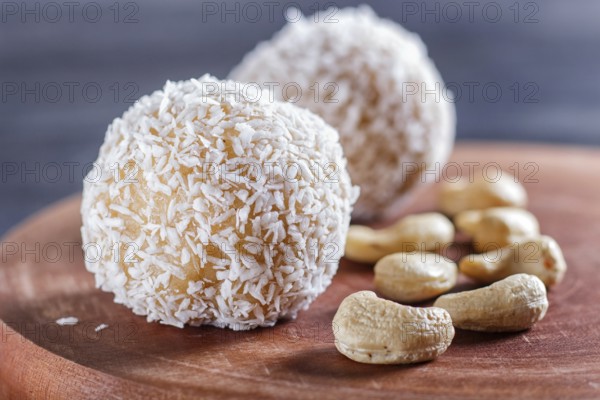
(373, 81)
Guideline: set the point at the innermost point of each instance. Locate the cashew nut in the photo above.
(419, 232)
(512, 304)
(412, 277)
(481, 193)
(377, 331)
(540, 256)
(498, 226)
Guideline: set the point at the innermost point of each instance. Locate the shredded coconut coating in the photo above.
(389, 129)
(239, 249)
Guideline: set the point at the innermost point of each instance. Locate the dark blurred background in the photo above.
(521, 71)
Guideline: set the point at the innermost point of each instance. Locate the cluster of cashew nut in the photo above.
(513, 257)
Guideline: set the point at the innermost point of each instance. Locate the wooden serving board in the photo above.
(132, 359)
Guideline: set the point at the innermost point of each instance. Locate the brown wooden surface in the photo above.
(558, 358)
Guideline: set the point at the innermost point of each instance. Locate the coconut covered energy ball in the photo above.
(373, 81)
(218, 207)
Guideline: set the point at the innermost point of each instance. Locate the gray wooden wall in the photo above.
(68, 68)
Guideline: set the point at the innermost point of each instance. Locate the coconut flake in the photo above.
(67, 321)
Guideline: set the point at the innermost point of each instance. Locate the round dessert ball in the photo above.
(373, 81)
(215, 205)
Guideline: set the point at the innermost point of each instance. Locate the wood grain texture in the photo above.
(558, 358)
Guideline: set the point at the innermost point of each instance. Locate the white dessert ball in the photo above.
(217, 204)
(373, 81)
